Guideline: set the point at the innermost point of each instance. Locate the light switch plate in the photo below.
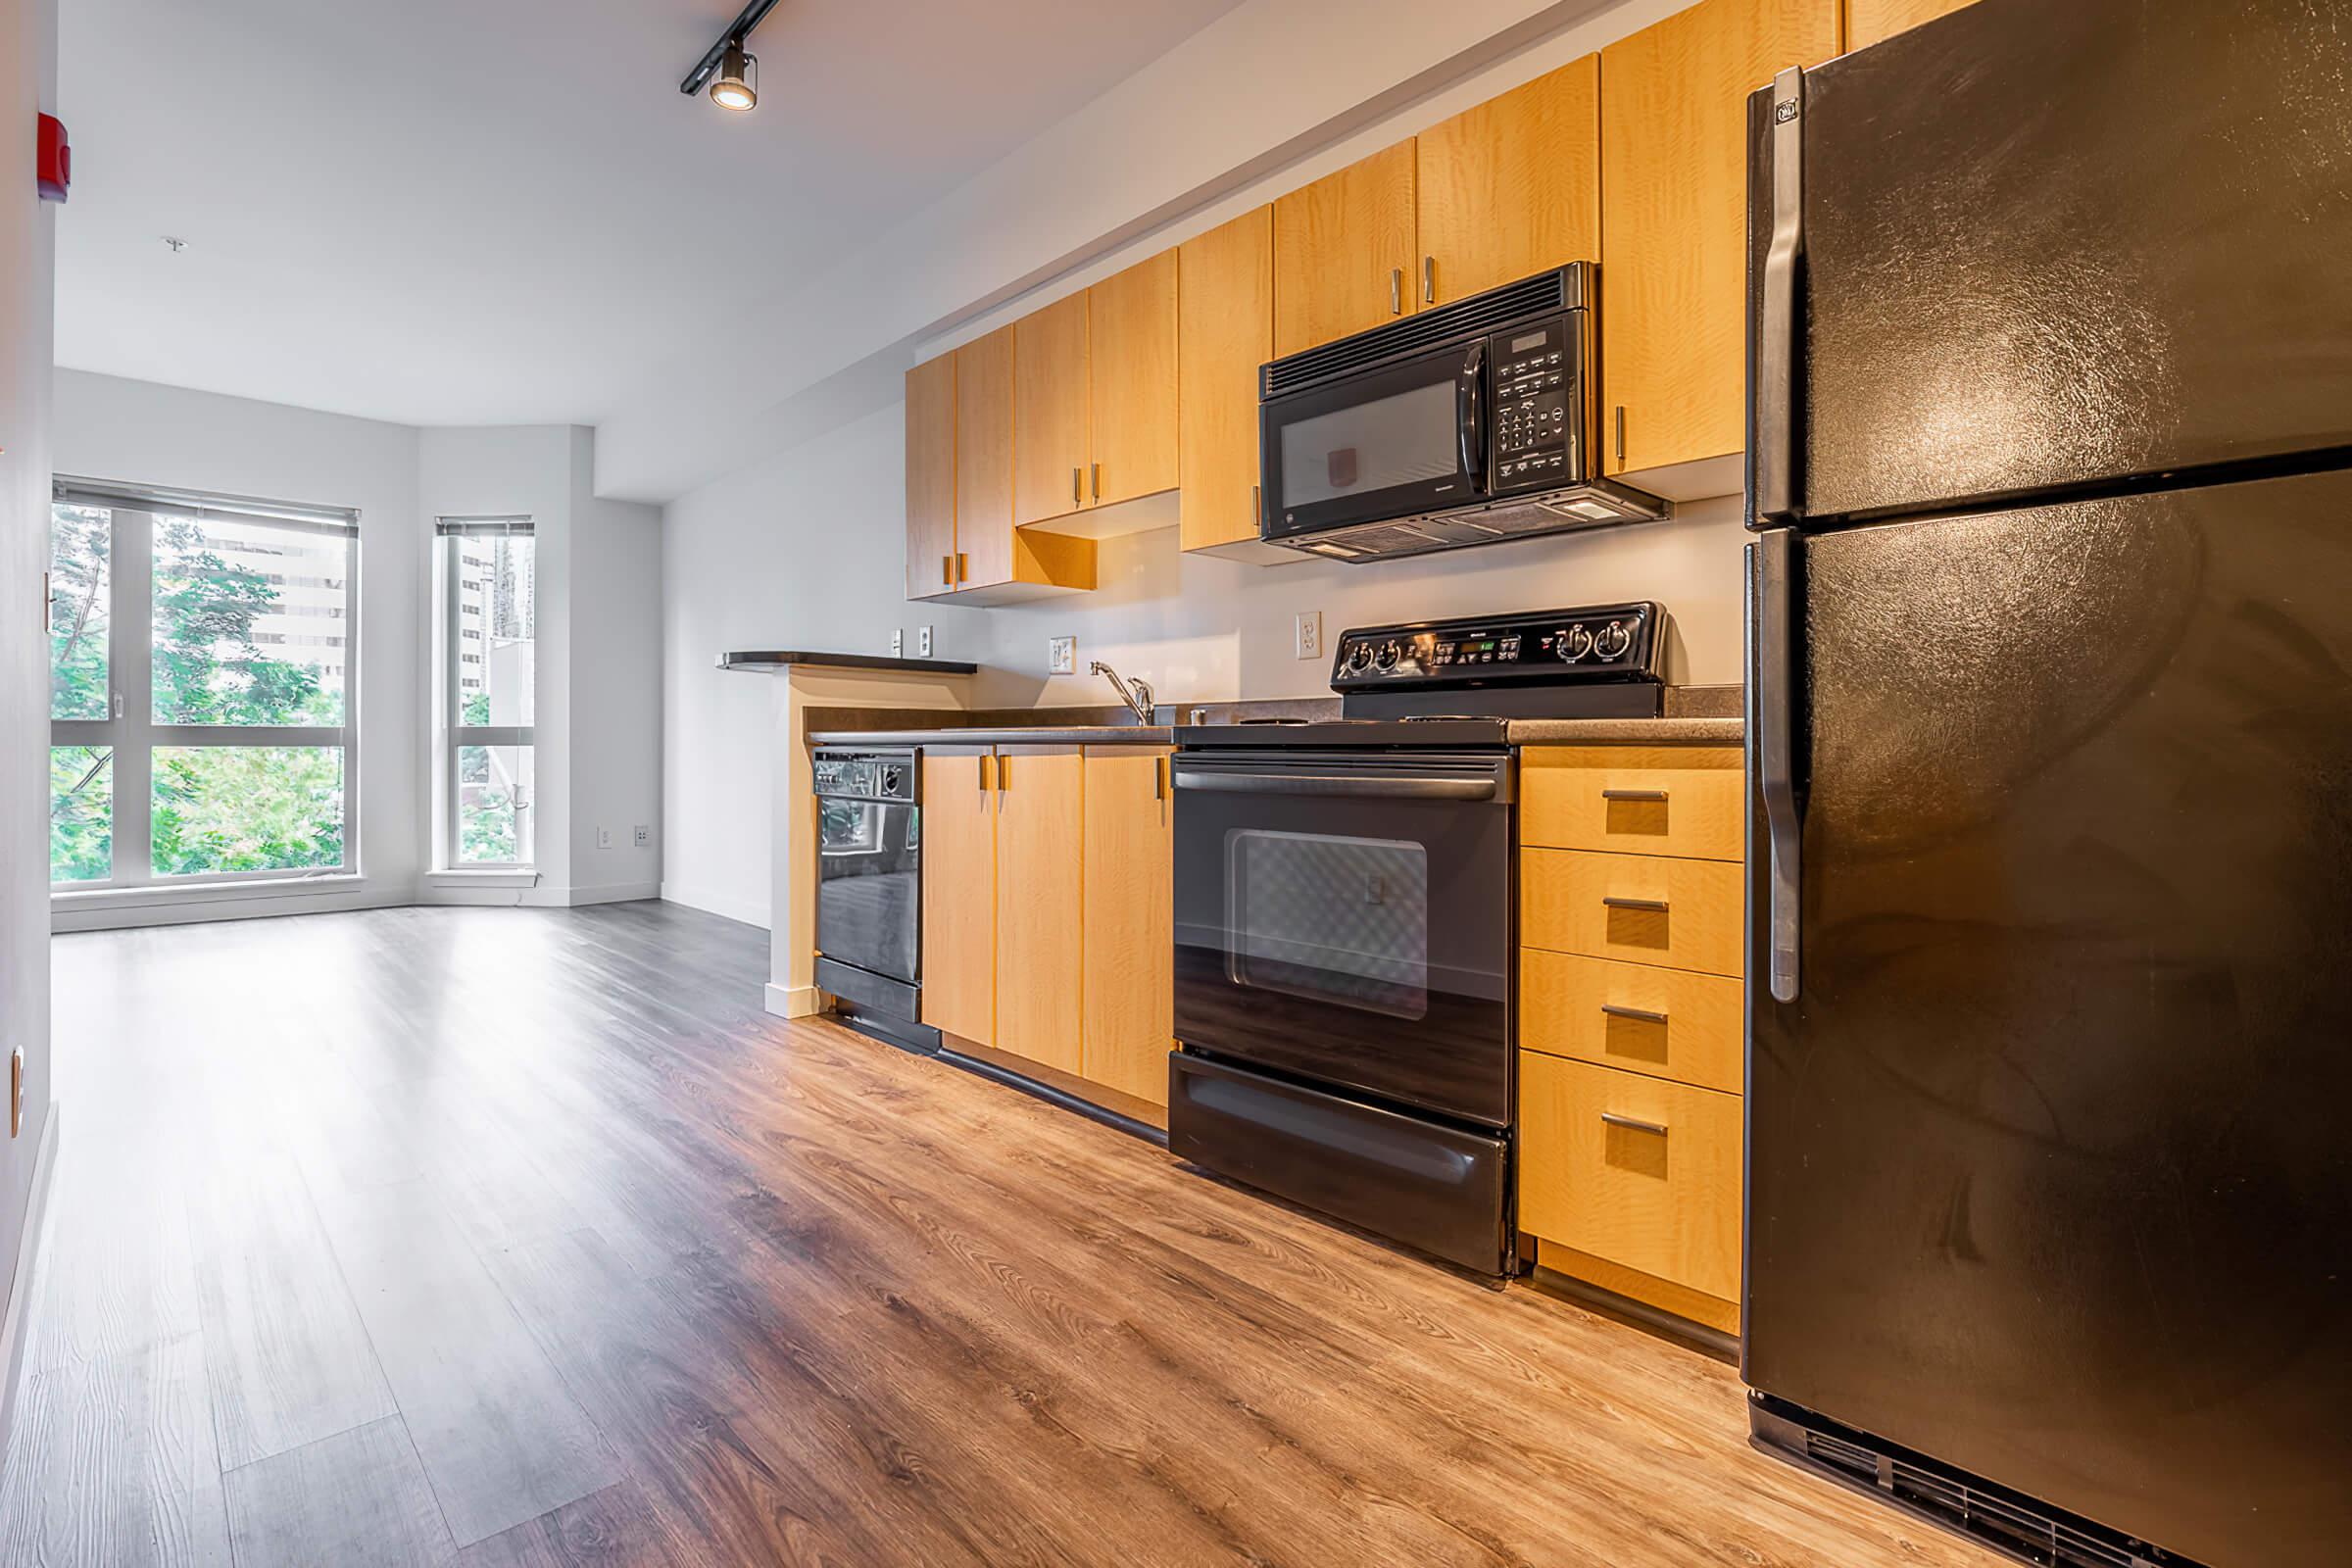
(1062, 656)
(922, 643)
(1308, 631)
(898, 642)
(603, 838)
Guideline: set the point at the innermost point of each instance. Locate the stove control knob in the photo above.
(1360, 658)
(1385, 658)
(1575, 643)
(1613, 640)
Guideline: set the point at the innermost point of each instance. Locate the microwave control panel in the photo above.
(1557, 646)
(1535, 382)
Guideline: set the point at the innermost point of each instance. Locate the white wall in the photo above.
(142, 434)
(613, 631)
(27, 279)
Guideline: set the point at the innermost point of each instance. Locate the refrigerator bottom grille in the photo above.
(2017, 1526)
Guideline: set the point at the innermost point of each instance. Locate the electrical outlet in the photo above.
(603, 838)
(645, 836)
(1062, 656)
(922, 643)
(1308, 629)
(898, 642)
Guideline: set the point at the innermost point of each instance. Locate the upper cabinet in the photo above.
(1224, 331)
(1050, 411)
(931, 478)
(1674, 220)
(1869, 21)
(1132, 328)
(1513, 186)
(1345, 252)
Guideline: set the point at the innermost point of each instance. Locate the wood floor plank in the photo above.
(657, 1277)
(500, 1436)
(111, 1461)
(355, 1500)
(289, 1360)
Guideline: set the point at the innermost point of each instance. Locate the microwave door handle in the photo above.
(1469, 387)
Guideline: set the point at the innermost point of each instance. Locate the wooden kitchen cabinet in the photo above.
(1132, 381)
(1869, 21)
(1129, 1023)
(1040, 900)
(1050, 377)
(1345, 252)
(1511, 187)
(931, 478)
(984, 459)
(959, 892)
(1674, 220)
(1224, 332)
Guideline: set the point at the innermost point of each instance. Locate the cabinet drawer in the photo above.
(1688, 801)
(1667, 1023)
(1642, 909)
(1636, 1170)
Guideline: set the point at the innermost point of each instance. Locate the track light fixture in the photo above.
(729, 69)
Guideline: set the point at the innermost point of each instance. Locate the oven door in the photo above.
(1345, 920)
(870, 887)
(1394, 441)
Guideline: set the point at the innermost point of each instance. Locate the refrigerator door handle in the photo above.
(1774, 440)
(1772, 727)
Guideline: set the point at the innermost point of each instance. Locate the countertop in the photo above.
(784, 659)
(1668, 731)
(981, 735)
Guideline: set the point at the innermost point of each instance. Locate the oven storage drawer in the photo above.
(1433, 1186)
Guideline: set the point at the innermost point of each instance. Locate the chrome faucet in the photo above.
(1136, 694)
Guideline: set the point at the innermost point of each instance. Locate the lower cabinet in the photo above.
(1048, 892)
(1631, 1018)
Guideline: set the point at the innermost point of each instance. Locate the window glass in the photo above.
(495, 800)
(81, 814)
(247, 808)
(250, 623)
(80, 577)
(496, 664)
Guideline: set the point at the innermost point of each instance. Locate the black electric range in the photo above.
(1343, 922)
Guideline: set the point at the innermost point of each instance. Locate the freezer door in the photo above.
(2048, 245)
(2050, 1155)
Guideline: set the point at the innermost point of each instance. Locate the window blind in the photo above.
(68, 490)
(481, 527)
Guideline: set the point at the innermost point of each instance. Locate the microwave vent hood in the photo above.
(1564, 289)
(1596, 503)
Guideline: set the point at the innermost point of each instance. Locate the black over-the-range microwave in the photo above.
(1469, 423)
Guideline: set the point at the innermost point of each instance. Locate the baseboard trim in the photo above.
(197, 911)
(16, 1327)
(749, 911)
(611, 892)
(794, 1001)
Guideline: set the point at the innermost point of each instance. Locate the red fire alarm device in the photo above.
(56, 160)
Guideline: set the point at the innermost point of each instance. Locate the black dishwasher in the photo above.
(870, 887)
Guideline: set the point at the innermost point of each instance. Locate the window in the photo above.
(201, 652)
(488, 680)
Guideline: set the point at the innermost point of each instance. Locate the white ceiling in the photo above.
(455, 212)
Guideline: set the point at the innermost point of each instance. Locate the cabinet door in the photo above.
(1513, 186)
(1130, 1004)
(1674, 220)
(1049, 411)
(1225, 331)
(1869, 21)
(984, 460)
(959, 892)
(1343, 252)
(1041, 796)
(1131, 357)
(931, 478)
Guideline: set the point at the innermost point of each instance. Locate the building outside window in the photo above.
(489, 686)
(202, 661)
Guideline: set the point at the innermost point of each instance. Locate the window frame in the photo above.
(451, 735)
(131, 731)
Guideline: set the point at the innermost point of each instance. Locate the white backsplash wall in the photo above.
(807, 550)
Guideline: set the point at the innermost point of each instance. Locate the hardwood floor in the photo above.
(499, 1237)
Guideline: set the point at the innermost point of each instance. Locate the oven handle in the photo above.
(1374, 786)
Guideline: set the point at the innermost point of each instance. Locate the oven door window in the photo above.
(1341, 920)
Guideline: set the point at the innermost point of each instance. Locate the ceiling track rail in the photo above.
(737, 30)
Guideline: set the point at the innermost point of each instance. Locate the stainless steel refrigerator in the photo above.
(2049, 1142)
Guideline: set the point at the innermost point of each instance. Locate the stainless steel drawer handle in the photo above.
(1659, 796)
(1633, 1123)
(1653, 905)
(1638, 1015)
